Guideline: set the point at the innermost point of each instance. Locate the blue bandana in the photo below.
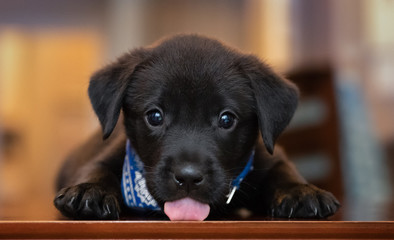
(134, 189)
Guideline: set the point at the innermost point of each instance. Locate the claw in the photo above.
(87, 203)
(273, 212)
(61, 195)
(107, 208)
(291, 212)
(315, 211)
(71, 202)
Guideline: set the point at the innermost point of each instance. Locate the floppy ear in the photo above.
(107, 88)
(276, 99)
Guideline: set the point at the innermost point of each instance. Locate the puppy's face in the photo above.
(192, 108)
(192, 122)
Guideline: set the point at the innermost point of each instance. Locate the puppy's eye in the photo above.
(226, 120)
(155, 118)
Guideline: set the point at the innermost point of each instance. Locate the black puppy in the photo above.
(192, 109)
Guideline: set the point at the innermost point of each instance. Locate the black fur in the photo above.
(191, 80)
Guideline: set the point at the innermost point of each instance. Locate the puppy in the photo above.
(197, 128)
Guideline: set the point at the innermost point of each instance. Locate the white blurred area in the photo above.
(48, 49)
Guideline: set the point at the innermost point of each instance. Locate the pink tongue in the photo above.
(186, 209)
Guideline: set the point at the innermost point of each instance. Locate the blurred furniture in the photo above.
(312, 139)
(389, 147)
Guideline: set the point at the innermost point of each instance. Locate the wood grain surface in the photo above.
(196, 230)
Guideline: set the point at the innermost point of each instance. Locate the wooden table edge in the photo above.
(196, 230)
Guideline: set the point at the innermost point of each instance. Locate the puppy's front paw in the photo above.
(87, 201)
(303, 201)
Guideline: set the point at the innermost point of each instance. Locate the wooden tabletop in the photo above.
(353, 221)
(196, 230)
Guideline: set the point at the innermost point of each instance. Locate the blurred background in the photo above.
(340, 53)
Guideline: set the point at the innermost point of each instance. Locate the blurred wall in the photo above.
(47, 52)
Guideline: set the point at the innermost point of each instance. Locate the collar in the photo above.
(135, 192)
(236, 183)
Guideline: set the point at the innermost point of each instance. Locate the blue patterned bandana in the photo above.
(134, 189)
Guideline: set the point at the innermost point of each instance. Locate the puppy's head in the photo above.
(192, 108)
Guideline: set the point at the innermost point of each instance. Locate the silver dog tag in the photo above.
(231, 194)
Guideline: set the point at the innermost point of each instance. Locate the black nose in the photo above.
(188, 177)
